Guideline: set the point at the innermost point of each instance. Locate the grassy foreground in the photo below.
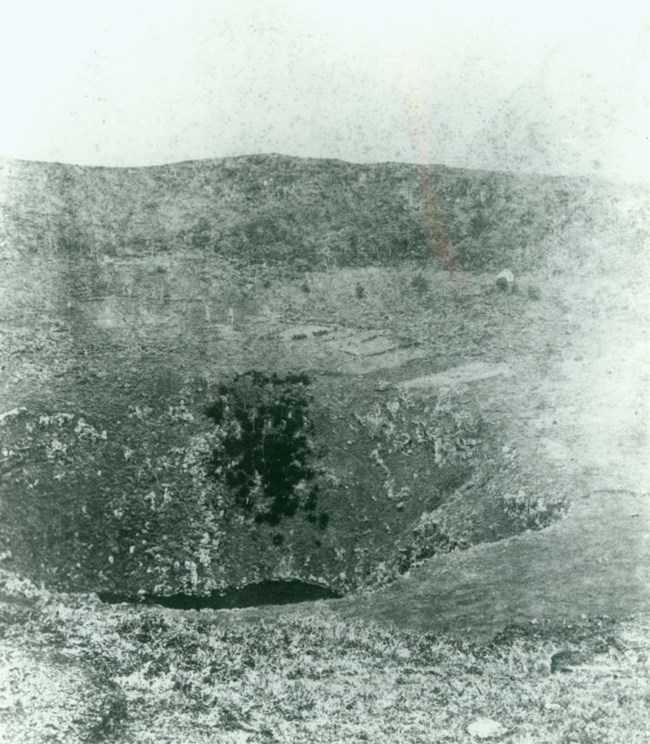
(72, 671)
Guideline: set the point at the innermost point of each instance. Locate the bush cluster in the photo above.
(264, 453)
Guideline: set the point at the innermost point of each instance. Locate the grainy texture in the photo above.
(216, 374)
(77, 672)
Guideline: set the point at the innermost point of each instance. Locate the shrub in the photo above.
(534, 292)
(420, 284)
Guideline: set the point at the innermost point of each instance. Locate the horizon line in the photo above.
(274, 154)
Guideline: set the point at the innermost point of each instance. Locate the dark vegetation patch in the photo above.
(272, 592)
(420, 284)
(264, 452)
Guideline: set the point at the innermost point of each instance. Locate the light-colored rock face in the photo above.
(611, 404)
(483, 729)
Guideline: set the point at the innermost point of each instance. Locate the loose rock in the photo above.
(485, 728)
(505, 280)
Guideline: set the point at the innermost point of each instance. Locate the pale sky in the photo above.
(555, 87)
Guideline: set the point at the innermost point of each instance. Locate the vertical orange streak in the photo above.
(440, 243)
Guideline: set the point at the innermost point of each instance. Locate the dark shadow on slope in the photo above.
(253, 595)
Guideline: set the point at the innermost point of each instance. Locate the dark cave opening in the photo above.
(270, 592)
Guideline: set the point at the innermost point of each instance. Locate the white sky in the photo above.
(556, 87)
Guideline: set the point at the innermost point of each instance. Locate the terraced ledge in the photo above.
(471, 372)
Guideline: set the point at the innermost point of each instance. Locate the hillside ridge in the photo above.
(313, 213)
